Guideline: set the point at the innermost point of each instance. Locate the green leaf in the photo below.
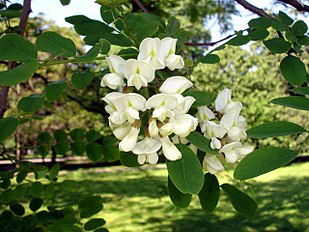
(118, 39)
(90, 206)
(77, 134)
(65, 2)
(93, 135)
(60, 136)
(78, 148)
(300, 90)
(128, 53)
(260, 23)
(241, 202)
(53, 173)
(303, 40)
(31, 103)
(299, 28)
(186, 173)
(13, 47)
(147, 30)
(239, 40)
(179, 199)
(40, 172)
(285, 18)
(173, 25)
(107, 14)
(277, 45)
(56, 44)
(62, 148)
(7, 127)
(129, 159)
(43, 150)
(201, 142)
(297, 102)
(279, 26)
(44, 137)
(91, 54)
(273, 129)
(94, 223)
(210, 59)
(21, 176)
(69, 185)
(105, 46)
(54, 89)
(11, 13)
(290, 36)
(18, 209)
(19, 74)
(36, 189)
(262, 161)
(210, 193)
(82, 80)
(202, 98)
(94, 152)
(293, 70)
(35, 204)
(258, 34)
(111, 153)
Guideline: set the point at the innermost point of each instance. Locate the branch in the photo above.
(209, 43)
(254, 9)
(296, 4)
(140, 5)
(12, 64)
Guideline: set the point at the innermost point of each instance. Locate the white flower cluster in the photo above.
(226, 130)
(165, 111)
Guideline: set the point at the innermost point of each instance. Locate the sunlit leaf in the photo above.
(293, 70)
(297, 102)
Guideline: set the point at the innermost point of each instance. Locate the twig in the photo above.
(209, 43)
(254, 9)
(296, 4)
(140, 5)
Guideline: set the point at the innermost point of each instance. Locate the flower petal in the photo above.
(170, 151)
(223, 98)
(116, 64)
(168, 46)
(149, 52)
(174, 62)
(175, 84)
(130, 140)
(153, 158)
(112, 80)
(212, 164)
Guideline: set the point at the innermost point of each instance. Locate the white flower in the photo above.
(153, 128)
(138, 73)
(175, 84)
(129, 141)
(114, 79)
(146, 150)
(235, 151)
(184, 104)
(183, 124)
(213, 131)
(168, 49)
(212, 164)
(223, 102)
(109, 99)
(166, 129)
(169, 149)
(121, 131)
(204, 113)
(149, 51)
(234, 124)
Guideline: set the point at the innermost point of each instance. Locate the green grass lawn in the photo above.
(136, 200)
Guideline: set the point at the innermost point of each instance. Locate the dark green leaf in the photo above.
(147, 30)
(111, 153)
(239, 40)
(129, 159)
(77, 134)
(44, 137)
(301, 90)
(18, 209)
(303, 40)
(279, 26)
(21, 176)
(297, 102)
(40, 171)
(202, 98)
(15, 6)
(105, 46)
(290, 36)
(94, 152)
(65, 2)
(179, 199)
(18, 74)
(54, 89)
(285, 18)
(43, 150)
(53, 173)
(62, 148)
(258, 34)
(273, 129)
(78, 148)
(20, 191)
(90, 55)
(262, 161)
(60, 135)
(260, 23)
(277, 45)
(210, 193)
(128, 53)
(94, 223)
(7, 196)
(293, 70)
(186, 173)
(241, 202)
(35, 204)
(182, 36)
(299, 28)
(11, 13)
(93, 135)
(82, 80)
(107, 14)
(56, 44)
(201, 142)
(173, 25)
(13, 47)
(31, 103)
(69, 185)
(210, 59)
(7, 127)
(90, 206)
(118, 39)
